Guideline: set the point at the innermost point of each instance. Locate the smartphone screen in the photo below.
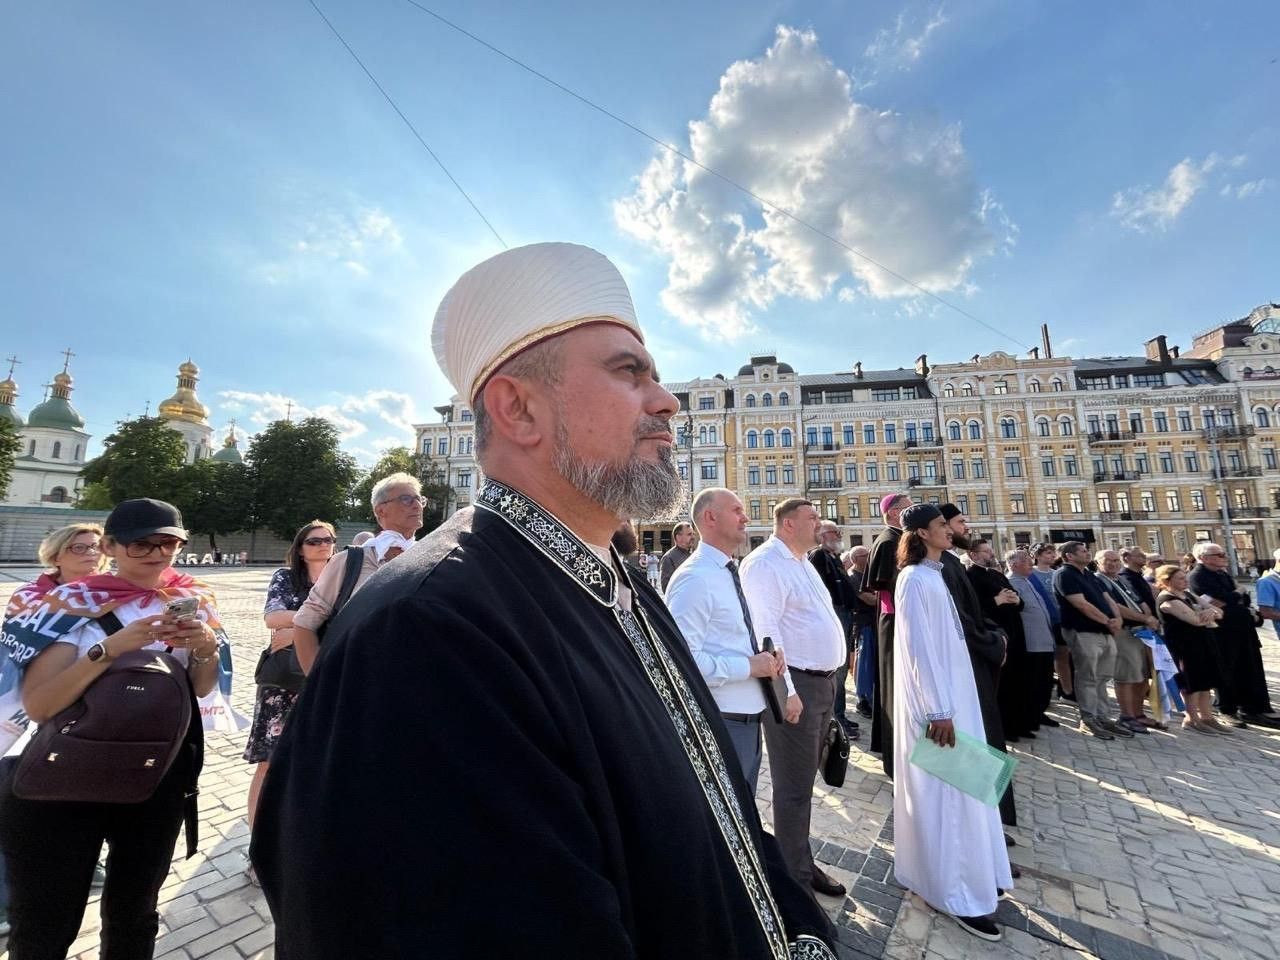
(184, 608)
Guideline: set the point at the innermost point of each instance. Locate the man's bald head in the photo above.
(720, 519)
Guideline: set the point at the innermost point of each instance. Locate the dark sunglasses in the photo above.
(140, 549)
(319, 541)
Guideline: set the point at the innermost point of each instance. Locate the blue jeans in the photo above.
(865, 679)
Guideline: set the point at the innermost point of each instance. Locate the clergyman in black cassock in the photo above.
(881, 576)
(1013, 695)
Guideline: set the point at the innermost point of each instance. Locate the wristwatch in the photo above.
(97, 652)
(201, 661)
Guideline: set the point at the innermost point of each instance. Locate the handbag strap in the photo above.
(110, 623)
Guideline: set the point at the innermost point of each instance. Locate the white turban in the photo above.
(518, 298)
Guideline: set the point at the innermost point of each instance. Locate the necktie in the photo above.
(732, 567)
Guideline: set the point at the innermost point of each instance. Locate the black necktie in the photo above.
(732, 567)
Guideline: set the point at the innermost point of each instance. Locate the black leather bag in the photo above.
(834, 759)
(280, 668)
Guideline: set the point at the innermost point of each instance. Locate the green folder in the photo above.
(971, 766)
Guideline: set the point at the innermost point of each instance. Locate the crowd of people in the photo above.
(520, 694)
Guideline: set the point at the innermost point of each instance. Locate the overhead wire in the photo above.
(408, 123)
(710, 170)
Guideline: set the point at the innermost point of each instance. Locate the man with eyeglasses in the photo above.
(397, 504)
(1243, 697)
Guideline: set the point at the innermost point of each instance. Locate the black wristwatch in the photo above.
(97, 652)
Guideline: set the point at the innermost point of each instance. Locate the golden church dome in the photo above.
(184, 404)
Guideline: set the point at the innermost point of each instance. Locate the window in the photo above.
(706, 403)
(957, 469)
(911, 432)
(913, 471)
(464, 478)
(1070, 466)
(1142, 463)
(848, 436)
(885, 393)
(755, 509)
(975, 430)
(1147, 499)
(1033, 386)
(855, 508)
(426, 446)
(850, 473)
(1197, 500)
(684, 471)
(753, 440)
(784, 399)
(1099, 466)
(788, 474)
(1227, 417)
(827, 439)
(766, 400)
(868, 433)
(1171, 501)
(751, 399)
(891, 471)
(1261, 417)
(931, 469)
(948, 391)
(753, 476)
(1095, 383)
(702, 436)
(77, 453)
(771, 475)
(768, 438)
(1042, 427)
(1047, 467)
(979, 468)
(1191, 461)
(890, 433)
(443, 448)
(1166, 462)
(1269, 457)
(962, 502)
(874, 506)
(1135, 422)
(984, 505)
(1104, 502)
(58, 494)
(1162, 421)
(1095, 423)
(1240, 498)
(1076, 503)
(1008, 428)
(57, 449)
(815, 475)
(831, 513)
(953, 430)
(1051, 503)
(1018, 503)
(873, 473)
(709, 471)
(1234, 461)
(1066, 426)
(908, 393)
(811, 436)
(967, 390)
(1013, 466)
(1001, 387)
(1210, 418)
(1148, 380)
(829, 475)
(1184, 420)
(926, 430)
(786, 438)
(1056, 384)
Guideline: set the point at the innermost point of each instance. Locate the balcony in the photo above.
(822, 448)
(1122, 476)
(827, 483)
(1109, 436)
(1249, 513)
(1236, 473)
(1125, 516)
(1231, 432)
(926, 444)
(940, 481)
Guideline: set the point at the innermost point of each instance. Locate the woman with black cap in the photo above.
(64, 643)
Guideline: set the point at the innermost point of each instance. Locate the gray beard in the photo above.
(635, 488)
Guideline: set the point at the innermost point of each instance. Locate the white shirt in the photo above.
(702, 598)
(790, 603)
(86, 636)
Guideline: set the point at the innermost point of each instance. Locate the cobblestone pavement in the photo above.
(1167, 844)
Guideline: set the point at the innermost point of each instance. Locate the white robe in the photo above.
(948, 847)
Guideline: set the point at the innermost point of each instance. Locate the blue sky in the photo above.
(221, 181)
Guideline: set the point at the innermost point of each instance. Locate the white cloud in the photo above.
(902, 46)
(1252, 188)
(786, 127)
(358, 239)
(1148, 208)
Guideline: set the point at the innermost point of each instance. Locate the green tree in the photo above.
(215, 498)
(10, 445)
(143, 458)
(299, 474)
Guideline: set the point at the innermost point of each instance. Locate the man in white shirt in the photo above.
(705, 597)
(791, 605)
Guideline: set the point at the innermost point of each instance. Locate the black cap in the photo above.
(919, 515)
(134, 519)
(949, 511)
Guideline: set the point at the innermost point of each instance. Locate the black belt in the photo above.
(743, 717)
(815, 673)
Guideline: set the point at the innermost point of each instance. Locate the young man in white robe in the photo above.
(949, 847)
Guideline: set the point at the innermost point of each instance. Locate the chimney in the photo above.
(1044, 339)
(1173, 351)
(1034, 353)
(974, 358)
(857, 369)
(1158, 349)
(922, 365)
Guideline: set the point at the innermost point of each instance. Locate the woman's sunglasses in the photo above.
(319, 541)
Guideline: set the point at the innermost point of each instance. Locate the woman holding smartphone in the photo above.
(51, 847)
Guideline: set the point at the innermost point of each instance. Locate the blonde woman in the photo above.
(1185, 625)
(67, 554)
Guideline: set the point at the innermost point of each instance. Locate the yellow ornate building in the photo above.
(1158, 450)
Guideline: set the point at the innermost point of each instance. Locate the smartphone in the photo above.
(183, 608)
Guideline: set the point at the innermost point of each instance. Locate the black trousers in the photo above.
(51, 849)
(1040, 684)
(882, 709)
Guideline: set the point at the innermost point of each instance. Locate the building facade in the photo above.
(1158, 451)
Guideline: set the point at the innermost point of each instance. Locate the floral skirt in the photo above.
(269, 711)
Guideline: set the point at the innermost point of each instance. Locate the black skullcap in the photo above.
(919, 515)
(949, 511)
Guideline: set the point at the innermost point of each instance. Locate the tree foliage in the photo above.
(215, 498)
(142, 458)
(10, 446)
(299, 474)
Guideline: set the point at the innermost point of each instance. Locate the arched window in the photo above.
(1066, 426)
(975, 430)
(967, 390)
(1042, 426)
(77, 453)
(953, 430)
(702, 436)
(786, 438)
(784, 398)
(1033, 386)
(1056, 384)
(58, 495)
(57, 449)
(753, 439)
(31, 449)
(751, 399)
(948, 391)
(712, 433)
(1008, 428)
(768, 438)
(1261, 417)
(767, 400)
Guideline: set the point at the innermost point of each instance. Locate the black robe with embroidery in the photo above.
(881, 575)
(485, 763)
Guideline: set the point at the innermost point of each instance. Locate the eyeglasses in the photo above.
(144, 548)
(80, 549)
(319, 541)
(406, 500)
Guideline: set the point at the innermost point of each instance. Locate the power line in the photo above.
(412, 129)
(715, 173)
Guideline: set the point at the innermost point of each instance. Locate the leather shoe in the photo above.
(825, 885)
(1048, 721)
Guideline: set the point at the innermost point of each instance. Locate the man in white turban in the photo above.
(505, 707)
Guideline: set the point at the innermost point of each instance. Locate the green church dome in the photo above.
(57, 413)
